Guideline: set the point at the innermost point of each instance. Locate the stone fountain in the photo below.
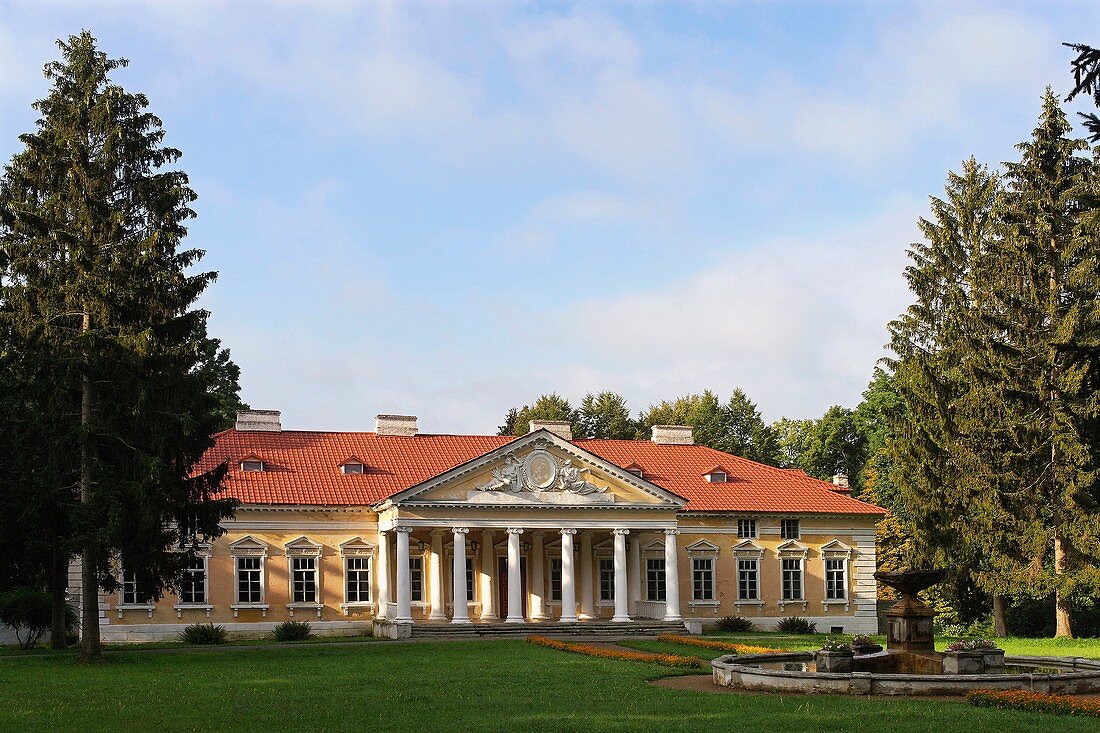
(910, 641)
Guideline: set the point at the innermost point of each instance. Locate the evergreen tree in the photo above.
(1086, 80)
(547, 407)
(605, 415)
(99, 300)
(746, 434)
(703, 412)
(793, 437)
(881, 406)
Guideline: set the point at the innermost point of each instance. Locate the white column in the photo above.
(436, 598)
(538, 583)
(461, 614)
(568, 596)
(588, 610)
(383, 575)
(634, 573)
(404, 584)
(621, 592)
(488, 570)
(672, 578)
(515, 582)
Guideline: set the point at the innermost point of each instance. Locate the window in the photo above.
(249, 582)
(788, 529)
(655, 578)
(353, 467)
(252, 465)
(132, 592)
(416, 579)
(746, 528)
(792, 579)
(469, 579)
(637, 471)
(304, 578)
(193, 587)
(717, 477)
(555, 579)
(836, 579)
(702, 578)
(748, 579)
(607, 579)
(357, 574)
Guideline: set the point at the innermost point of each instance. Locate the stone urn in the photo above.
(834, 661)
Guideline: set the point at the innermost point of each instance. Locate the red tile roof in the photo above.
(303, 468)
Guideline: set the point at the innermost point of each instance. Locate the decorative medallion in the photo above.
(540, 470)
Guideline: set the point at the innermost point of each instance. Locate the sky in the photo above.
(447, 209)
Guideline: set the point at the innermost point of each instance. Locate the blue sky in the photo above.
(445, 209)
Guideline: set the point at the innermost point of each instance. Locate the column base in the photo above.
(621, 619)
(437, 617)
(673, 618)
(461, 621)
(586, 617)
(489, 619)
(567, 620)
(515, 620)
(402, 620)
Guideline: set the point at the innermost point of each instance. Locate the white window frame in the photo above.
(358, 468)
(698, 551)
(751, 523)
(260, 467)
(793, 550)
(304, 547)
(749, 550)
(718, 477)
(798, 526)
(359, 549)
(122, 606)
(247, 547)
(554, 562)
(601, 560)
(181, 605)
(837, 551)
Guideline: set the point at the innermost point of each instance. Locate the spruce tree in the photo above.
(99, 297)
(605, 415)
(547, 407)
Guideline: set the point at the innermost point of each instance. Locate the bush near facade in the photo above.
(1035, 702)
(734, 624)
(720, 646)
(590, 650)
(292, 631)
(29, 612)
(796, 625)
(204, 634)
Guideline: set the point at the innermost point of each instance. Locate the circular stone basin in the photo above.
(796, 672)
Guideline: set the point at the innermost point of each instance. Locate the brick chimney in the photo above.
(259, 421)
(395, 425)
(840, 483)
(673, 435)
(560, 428)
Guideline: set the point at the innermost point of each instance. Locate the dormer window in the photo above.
(353, 467)
(635, 469)
(717, 476)
(252, 465)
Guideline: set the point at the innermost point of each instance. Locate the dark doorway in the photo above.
(502, 584)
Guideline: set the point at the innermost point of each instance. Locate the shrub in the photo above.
(668, 660)
(1036, 702)
(203, 634)
(971, 645)
(796, 625)
(836, 645)
(30, 612)
(721, 646)
(734, 624)
(292, 631)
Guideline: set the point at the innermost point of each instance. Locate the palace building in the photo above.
(386, 530)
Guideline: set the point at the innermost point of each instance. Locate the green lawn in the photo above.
(479, 685)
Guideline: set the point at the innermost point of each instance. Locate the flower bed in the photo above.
(1036, 702)
(668, 660)
(720, 646)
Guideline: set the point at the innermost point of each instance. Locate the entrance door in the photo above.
(502, 585)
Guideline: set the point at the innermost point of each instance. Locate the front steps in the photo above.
(642, 627)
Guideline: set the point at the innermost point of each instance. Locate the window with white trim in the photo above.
(836, 578)
(357, 572)
(252, 465)
(717, 477)
(655, 578)
(250, 580)
(702, 578)
(303, 572)
(789, 529)
(193, 586)
(748, 579)
(353, 467)
(607, 579)
(792, 578)
(470, 579)
(133, 592)
(746, 528)
(416, 579)
(555, 579)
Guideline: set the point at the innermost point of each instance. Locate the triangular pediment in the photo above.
(793, 547)
(538, 469)
(748, 547)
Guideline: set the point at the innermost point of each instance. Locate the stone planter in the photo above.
(994, 660)
(862, 649)
(834, 661)
(964, 662)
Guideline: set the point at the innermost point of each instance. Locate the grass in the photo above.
(42, 650)
(455, 686)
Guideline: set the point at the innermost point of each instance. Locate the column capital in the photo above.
(672, 532)
(620, 530)
(515, 530)
(403, 529)
(568, 531)
(437, 532)
(460, 530)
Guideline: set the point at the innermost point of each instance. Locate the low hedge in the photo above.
(1036, 702)
(720, 646)
(668, 660)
